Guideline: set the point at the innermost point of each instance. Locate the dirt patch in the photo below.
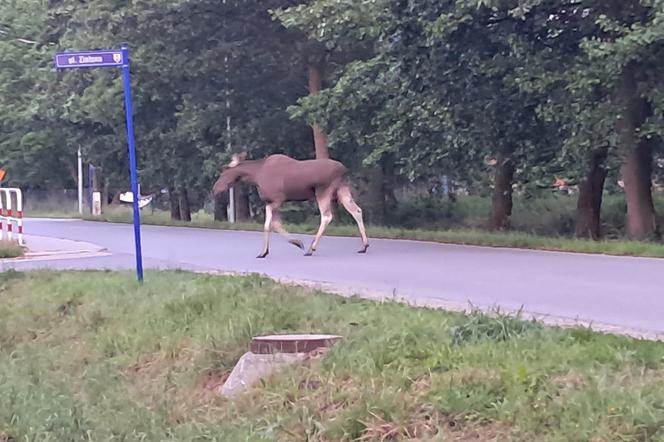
(423, 423)
(569, 380)
(427, 423)
(490, 432)
(640, 376)
(197, 397)
(310, 383)
(213, 380)
(567, 384)
(6, 437)
(68, 307)
(469, 376)
(165, 379)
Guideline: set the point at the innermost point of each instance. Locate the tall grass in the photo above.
(10, 249)
(95, 356)
(544, 215)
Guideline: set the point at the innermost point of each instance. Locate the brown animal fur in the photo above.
(280, 178)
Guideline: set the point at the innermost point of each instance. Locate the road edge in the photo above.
(418, 241)
(69, 249)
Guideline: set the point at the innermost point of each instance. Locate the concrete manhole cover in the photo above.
(291, 343)
(269, 353)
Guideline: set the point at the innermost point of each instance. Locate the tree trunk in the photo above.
(96, 179)
(174, 203)
(241, 203)
(315, 86)
(73, 172)
(221, 206)
(501, 200)
(637, 176)
(589, 204)
(376, 195)
(389, 186)
(104, 194)
(636, 171)
(185, 211)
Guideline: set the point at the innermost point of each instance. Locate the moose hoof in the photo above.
(309, 252)
(262, 255)
(364, 249)
(297, 243)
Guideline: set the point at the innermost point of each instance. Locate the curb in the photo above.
(564, 322)
(74, 249)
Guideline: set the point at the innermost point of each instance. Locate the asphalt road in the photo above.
(623, 292)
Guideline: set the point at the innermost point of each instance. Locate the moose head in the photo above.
(230, 174)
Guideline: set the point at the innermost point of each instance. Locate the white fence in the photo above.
(11, 214)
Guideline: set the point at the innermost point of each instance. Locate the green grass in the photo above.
(94, 356)
(10, 250)
(455, 236)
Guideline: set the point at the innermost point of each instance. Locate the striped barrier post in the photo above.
(7, 216)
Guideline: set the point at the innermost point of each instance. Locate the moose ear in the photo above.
(237, 159)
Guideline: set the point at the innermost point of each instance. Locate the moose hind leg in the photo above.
(279, 228)
(346, 200)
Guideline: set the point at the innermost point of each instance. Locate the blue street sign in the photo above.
(114, 58)
(91, 59)
(129, 113)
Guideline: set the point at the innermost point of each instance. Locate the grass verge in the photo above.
(95, 356)
(10, 249)
(457, 236)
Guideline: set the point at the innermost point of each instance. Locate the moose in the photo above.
(280, 178)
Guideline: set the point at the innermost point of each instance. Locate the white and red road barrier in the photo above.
(11, 213)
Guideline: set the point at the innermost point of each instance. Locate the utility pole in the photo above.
(231, 192)
(80, 182)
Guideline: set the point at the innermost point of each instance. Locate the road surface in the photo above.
(616, 291)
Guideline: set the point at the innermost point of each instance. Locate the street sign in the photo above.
(92, 59)
(105, 59)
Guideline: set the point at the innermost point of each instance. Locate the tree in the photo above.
(493, 94)
(32, 148)
(179, 100)
(607, 54)
(490, 77)
(439, 93)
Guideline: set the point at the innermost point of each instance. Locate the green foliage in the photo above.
(438, 95)
(449, 86)
(495, 326)
(94, 356)
(180, 87)
(418, 88)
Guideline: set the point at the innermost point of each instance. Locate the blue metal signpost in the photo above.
(114, 58)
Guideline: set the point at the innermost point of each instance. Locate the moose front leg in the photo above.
(325, 206)
(266, 232)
